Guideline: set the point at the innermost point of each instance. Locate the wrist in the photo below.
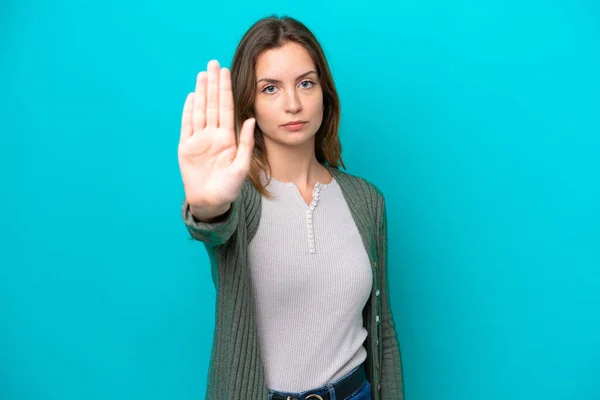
(208, 213)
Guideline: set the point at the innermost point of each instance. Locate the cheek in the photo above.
(266, 116)
(316, 105)
(264, 110)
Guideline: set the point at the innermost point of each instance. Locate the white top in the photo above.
(311, 278)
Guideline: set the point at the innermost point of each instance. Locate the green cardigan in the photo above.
(236, 371)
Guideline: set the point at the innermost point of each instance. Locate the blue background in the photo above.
(478, 120)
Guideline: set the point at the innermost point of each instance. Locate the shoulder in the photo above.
(356, 185)
(251, 204)
(250, 197)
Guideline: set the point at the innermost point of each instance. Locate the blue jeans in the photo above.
(363, 393)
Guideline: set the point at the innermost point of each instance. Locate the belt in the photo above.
(343, 389)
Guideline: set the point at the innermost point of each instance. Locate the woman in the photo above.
(297, 247)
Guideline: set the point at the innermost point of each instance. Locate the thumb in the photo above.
(245, 146)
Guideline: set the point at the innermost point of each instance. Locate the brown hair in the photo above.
(270, 33)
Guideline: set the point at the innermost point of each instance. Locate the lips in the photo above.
(294, 126)
(295, 123)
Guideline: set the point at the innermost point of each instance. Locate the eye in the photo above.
(269, 89)
(307, 84)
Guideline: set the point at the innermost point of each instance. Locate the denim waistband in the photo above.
(325, 389)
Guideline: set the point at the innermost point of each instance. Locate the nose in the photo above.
(293, 105)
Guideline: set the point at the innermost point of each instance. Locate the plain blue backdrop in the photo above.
(478, 120)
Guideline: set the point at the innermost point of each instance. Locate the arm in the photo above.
(212, 231)
(212, 163)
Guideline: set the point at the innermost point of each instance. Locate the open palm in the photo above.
(213, 167)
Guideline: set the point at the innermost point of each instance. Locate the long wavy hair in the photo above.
(271, 33)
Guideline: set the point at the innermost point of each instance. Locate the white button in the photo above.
(312, 208)
(307, 212)
(309, 216)
(311, 241)
(312, 250)
(317, 189)
(310, 235)
(311, 245)
(377, 292)
(377, 318)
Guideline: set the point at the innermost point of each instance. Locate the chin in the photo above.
(291, 139)
(295, 138)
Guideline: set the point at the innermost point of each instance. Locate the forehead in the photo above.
(289, 60)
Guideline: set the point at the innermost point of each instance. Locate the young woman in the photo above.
(297, 247)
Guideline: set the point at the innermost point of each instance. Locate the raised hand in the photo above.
(213, 167)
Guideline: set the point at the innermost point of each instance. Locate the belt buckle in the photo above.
(310, 396)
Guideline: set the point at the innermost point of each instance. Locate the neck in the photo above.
(297, 164)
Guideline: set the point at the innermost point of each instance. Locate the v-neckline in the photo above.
(347, 185)
(315, 192)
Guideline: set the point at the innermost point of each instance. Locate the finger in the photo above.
(225, 100)
(199, 110)
(212, 95)
(245, 146)
(186, 117)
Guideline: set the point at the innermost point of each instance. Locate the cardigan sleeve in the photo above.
(212, 233)
(392, 384)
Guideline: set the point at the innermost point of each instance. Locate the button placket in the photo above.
(309, 219)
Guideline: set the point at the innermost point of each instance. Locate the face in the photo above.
(288, 91)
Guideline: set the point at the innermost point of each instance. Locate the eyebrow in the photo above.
(269, 80)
